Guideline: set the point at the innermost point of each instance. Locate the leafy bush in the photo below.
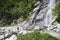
(36, 35)
(13, 9)
(57, 12)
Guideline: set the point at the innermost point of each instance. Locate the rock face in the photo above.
(42, 15)
(13, 37)
(40, 19)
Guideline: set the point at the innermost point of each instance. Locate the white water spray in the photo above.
(49, 18)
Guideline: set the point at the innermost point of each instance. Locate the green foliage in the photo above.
(57, 12)
(14, 21)
(13, 9)
(36, 35)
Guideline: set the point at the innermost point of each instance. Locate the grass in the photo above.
(36, 35)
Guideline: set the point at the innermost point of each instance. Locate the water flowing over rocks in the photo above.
(41, 18)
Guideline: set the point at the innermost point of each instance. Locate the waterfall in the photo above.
(41, 16)
(49, 18)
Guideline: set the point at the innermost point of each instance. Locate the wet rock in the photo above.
(13, 37)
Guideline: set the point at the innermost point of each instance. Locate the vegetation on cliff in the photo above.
(57, 12)
(13, 9)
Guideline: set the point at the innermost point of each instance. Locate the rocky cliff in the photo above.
(41, 18)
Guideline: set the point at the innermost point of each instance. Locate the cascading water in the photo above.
(40, 19)
(49, 18)
(42, 16)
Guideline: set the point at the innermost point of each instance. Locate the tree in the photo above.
(13, 9)
(57, 12)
